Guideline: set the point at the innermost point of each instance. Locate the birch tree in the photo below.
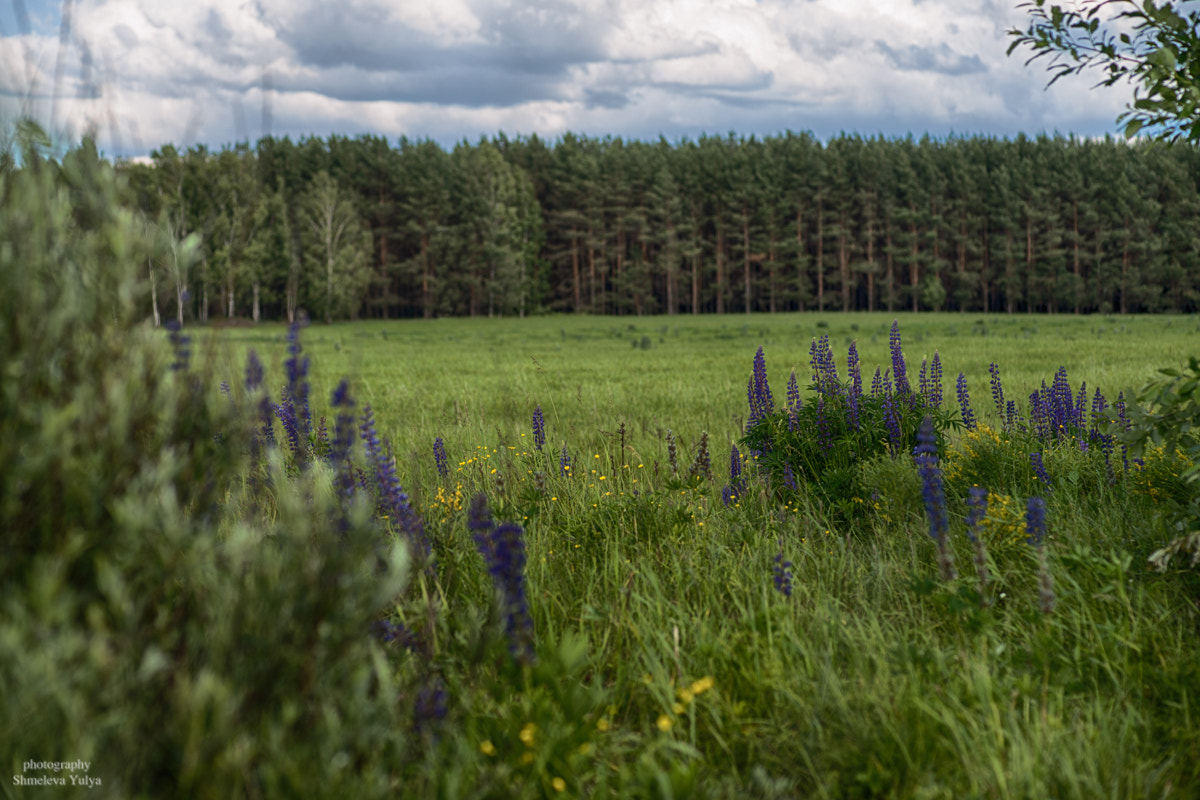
(336, 248)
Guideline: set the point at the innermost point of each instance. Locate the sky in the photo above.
(143, 73)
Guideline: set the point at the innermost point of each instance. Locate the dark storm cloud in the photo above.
(931, 59)
(518, 55)
(603, 98)
(443, 86)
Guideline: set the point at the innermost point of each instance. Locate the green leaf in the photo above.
(1132, 128)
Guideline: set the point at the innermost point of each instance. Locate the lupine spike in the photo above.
(503, 550)
(297, 372)
(935, 380)
(564, 462)
(539, 428)
(891, 415)
(393, 501)
(1035, 521)
(762, 404)
(997, 391)
(899, 370)
(934, 494)
(977, 501)
(1039, 469)
(964, 403)
(783, 573)
(793, 402)
(181, 343)
(439, 457)
(854, 370)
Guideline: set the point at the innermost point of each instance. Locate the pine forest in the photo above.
(361, 228)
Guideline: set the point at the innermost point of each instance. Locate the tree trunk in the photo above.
(575, 270)
(746, 252)
(914, 266)
(696, 283)
(891, 271)
(1030, 295)
(820, 256)
(771, 274)
(154, 296)
(870, 265)
(844, 266)
(254, 311)
(720, 270)
(1078, 263)
(799, 260)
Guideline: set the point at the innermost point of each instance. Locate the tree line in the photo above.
(360, 227)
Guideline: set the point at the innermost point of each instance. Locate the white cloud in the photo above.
(453, 68)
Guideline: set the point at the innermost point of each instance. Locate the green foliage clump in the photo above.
(183, 629)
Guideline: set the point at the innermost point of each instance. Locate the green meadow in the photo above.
(669, 662)
(474, 381)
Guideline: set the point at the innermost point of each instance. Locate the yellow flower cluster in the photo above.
(447, 503)
(971, 448)
(1158, 476)
(1004, 524)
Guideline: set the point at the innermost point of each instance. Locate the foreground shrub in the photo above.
(185, 631)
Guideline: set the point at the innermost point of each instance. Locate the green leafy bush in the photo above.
(183, 629)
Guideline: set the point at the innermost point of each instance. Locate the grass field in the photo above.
(873, 678)
(475, 381)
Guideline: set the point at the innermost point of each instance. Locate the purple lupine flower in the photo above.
(876, 384)
(1011, 418)
(998, 391)
(393, 502)
(254, 379)
(564, 462)
(297, 386)
(789, 478)
(923, 379)
(429, 707)
(734, 490)
(1039, 469)
(926, 457)
(891, 415)
(1062, 405)
(387, 631)
(899, 371)
(503, 550)
(254, 371)
(793, 402)
(783, 573)
(934, 493)
(935, 381)
(964, 403)
(825, 376)
(824, 430)
(762, 404)
(977, 500)
(539, 428)
(181, 343)
(854, 370)
(439, 457)
(343, 439)
(224, 388)
(1038, 416)
(977, 504)
(1080, 404)
(1122, 417)
(1099, 406)
(1035, 521)
(286, 411)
